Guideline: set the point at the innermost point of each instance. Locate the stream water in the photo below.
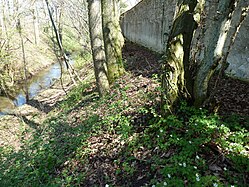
(41, 81)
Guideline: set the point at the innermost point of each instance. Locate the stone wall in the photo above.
(150, 21)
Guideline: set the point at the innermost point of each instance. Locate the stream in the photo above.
(37, 83)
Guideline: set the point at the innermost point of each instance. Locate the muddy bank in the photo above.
(25, 91)
(6, 104)
(30, 117)
(12, 71)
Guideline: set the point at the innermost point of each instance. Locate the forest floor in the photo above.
(122, 140)
(228, 95)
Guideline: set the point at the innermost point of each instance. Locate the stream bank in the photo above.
(26, 91)
(28, 117)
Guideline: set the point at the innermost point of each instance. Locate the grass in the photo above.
(122, 140)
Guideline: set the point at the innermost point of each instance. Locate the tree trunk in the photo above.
(2, 24)
(4, 20)
(214, 36)
(113, 39)
(36, 24)
(177, 81)
(62, 51)
(98, 53)
(19, 28)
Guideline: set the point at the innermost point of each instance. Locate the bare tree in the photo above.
(98, 53)
(113, 38)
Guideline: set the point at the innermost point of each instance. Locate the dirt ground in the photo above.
(230, 96)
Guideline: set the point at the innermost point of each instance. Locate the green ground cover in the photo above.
(122, 140)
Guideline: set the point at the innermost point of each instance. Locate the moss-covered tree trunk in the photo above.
(177, 81)
(113, 38)
(97, 44)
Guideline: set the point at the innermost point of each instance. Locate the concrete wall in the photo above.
(238, 57)
(150, 21)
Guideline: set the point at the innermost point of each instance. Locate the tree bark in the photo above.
(218, 22)
(19, 28)
(113, 38)
(177, 81)
(98, 53)
(36, 24)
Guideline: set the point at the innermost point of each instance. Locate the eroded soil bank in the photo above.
(32, 114)
(33, 60)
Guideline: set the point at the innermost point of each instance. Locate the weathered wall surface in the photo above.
(150, 21)
(238, 57)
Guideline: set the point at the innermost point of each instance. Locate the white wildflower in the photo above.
(215, 185)
(184, 164)
(189, 142)
(165, 183)
(171, 135)
(195, 167)
(161, 130)
(153, 185)
(198, 179)
(243, 152)
(197, 157)
(107, 185)
(169, 175)
(225, 169)
(195, 124)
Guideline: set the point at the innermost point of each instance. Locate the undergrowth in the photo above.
(108, 142)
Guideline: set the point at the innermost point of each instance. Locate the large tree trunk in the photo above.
(113, 38)
(189, 79)
(177, 81)
(214, 36)
(98, 53)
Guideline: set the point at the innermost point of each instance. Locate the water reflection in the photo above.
(44, 80)
(39, 82)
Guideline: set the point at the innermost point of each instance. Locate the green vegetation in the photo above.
(72, 42)
(111, 132)
(122, 140)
